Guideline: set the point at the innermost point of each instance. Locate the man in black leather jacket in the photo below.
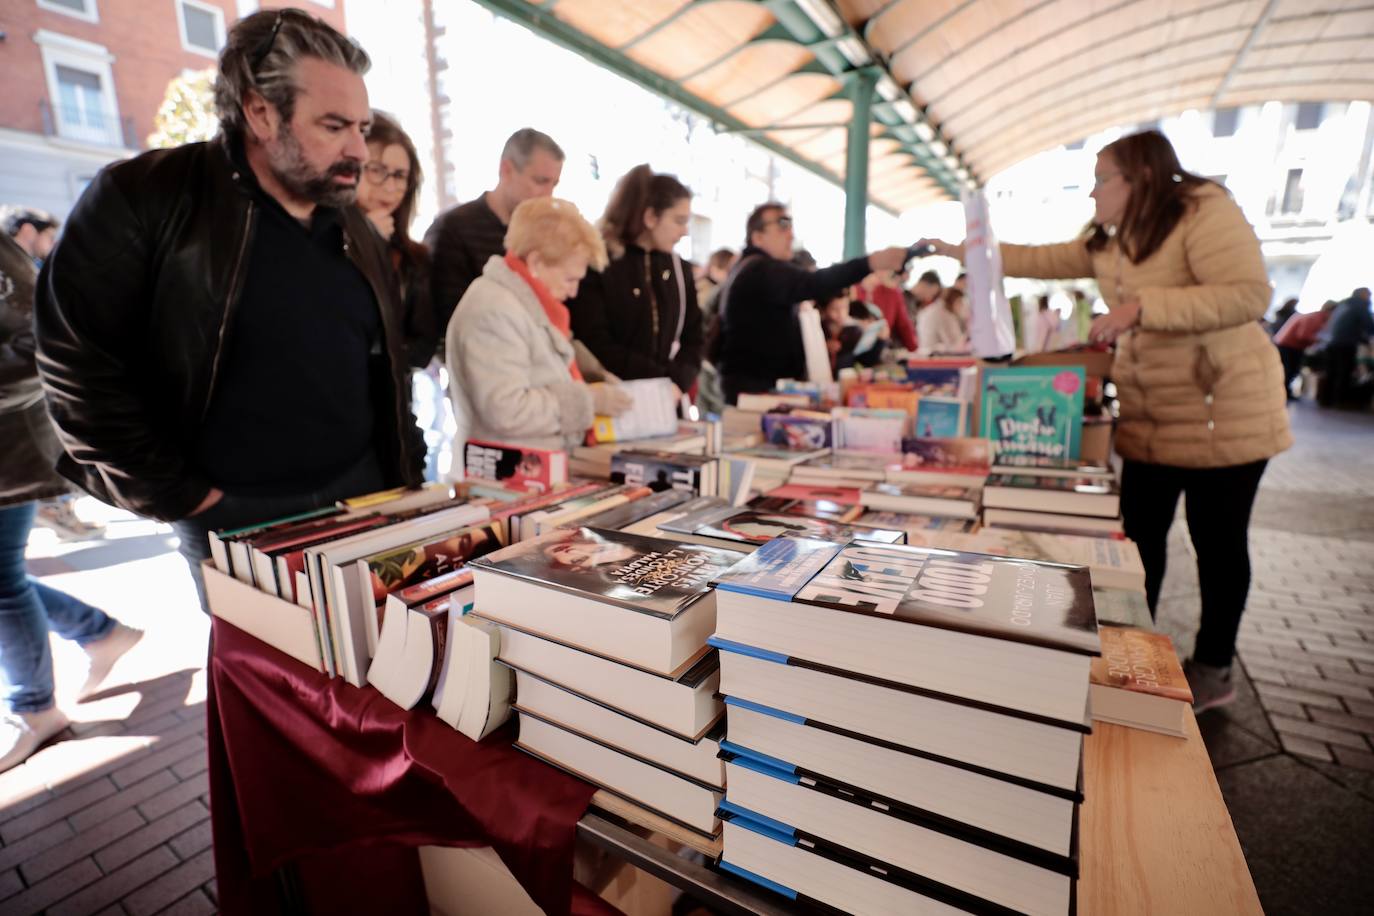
(217, 327)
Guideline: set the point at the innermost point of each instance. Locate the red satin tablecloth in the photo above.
(344, 785)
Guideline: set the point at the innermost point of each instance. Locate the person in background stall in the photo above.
(1198, 379)
(29, 608)
(834, 317)
(864, 340)
(390, 183)
(881, 289)
(1293, 339)
(759, 339)
(1350, 326)
(1044, 336)
(462, 240)
(639, 315)
(514, 374)
(1282, 314)
(713, 274)
(938, 326)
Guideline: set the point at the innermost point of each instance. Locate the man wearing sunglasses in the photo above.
(760, 334)
(217, 327)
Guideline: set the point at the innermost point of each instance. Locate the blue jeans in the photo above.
(28, 609)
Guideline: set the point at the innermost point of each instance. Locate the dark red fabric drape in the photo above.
(306, 769)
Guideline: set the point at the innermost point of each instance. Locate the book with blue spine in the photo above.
(1012, 633)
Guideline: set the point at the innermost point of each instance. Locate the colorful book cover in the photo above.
(651, 575)
(941, 417)
(1091, 486)
(515, 467)
(885, 396)
(1033, 411)
(934, 381)
(917, 525)
(396, 569)
(809, 508)
(1140, 661)
(798, 432)
(1045, 604)
(659, 470)
(751, 526)
(946, 454)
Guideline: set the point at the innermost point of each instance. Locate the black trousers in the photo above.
(1340, 374)
(1218, 503)
(237, 510)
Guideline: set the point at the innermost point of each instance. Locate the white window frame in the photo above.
(214, 11)
(71, 52)
(92, 13)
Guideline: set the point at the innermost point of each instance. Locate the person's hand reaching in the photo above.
(887, 259)
(610, 400)
(944, 249)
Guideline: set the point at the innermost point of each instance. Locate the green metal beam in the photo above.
(856, 165)
(548, 26)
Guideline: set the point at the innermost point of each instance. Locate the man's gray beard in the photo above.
(289, 167)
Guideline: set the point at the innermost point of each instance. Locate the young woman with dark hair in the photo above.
(639, 316)
(1199, 383)
(390, 182)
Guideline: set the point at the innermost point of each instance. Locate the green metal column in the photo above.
(856, 163)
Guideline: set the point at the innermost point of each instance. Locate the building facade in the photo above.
(83, 80)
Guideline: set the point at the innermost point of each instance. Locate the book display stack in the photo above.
(1083, 503)
(606, 634)
(905, 726)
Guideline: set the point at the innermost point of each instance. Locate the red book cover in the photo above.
(515, 467)
(397, 569)
(1139, 661)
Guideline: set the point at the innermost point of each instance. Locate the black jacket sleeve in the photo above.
(593, 313)
(451, 268)
(792, 284)
(692, 345)
(92, 305)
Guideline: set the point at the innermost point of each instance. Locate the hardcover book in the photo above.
(936, 499)
(1114, 564)
(750, 526)
(798, 430)
(1138, 681)
(664, 470)
(1044, 466)
(1033, 411)
(515, 467)
(1096, 495)
(839, 504)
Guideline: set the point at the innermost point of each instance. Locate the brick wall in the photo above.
(141, 35)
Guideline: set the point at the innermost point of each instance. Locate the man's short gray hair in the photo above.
(261, 54)
(522, 144)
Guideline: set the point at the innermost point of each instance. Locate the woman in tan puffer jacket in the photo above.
(1199, 382)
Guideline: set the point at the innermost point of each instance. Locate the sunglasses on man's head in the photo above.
(784, 222)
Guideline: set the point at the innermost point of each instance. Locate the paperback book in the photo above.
(515, 467)
(750, 526)
(1138, 682)
(659, 471)
(798, 430)
(653, 413)
(1033, 411)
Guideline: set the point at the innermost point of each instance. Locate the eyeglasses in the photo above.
(378, 173)
(1100, 180)
(784, 222)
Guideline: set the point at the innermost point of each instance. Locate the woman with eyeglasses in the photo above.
(1199, 383)
(390, 182)
(640, 316)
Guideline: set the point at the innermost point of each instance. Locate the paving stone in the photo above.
(122, 800)
(57, 808)
(1306, 697)
(1318, 732)
(1359, 707)
(161, 757)
(212, 891)
(1331, 686)
(15, 853)
(1285, 708)
(172, 886)
(1360, 760)
(1360, 724)
(156, 833)
(189, 767)
(83, 844)
(193, 841)
(195, 903)
(192, 788)
(10, 884)
(60, 886)
(115, 885)
(1304, 747)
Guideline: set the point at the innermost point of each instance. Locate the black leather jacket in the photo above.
(133, 310)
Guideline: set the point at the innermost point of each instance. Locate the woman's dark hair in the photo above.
(385, 131)
(641, 189)
(1160, 193)
(951, 296)
(825, 301)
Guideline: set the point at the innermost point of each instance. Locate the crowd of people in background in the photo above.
(241, 329)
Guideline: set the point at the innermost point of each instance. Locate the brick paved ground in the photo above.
(114, 819)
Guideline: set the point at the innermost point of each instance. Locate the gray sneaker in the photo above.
(1211, 685)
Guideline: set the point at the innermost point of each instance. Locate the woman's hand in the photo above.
(1107, 328)
(610, 400)
(384, 221)
(945, 249)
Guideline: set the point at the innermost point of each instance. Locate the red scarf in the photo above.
(555, 311)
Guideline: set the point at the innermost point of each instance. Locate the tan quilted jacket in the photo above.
(1199, 382)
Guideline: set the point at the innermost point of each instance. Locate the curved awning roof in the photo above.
(964, 88)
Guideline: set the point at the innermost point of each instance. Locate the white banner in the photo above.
(991, 332)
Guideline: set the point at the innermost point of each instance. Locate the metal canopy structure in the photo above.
(905, 102)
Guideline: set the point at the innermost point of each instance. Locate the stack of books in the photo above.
(1044, 499)
(905, 726)
(606, 633)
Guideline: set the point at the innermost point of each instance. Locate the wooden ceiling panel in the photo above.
(615, 24)
(1350, 72)
(746, 70)
(700, 35)
(901, 22)
(831, 111)
(785, 98)
(857, 12)
(1333, 51)
(967, 25)
(824, 146)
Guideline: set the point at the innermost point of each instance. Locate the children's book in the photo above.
(1033, 411)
